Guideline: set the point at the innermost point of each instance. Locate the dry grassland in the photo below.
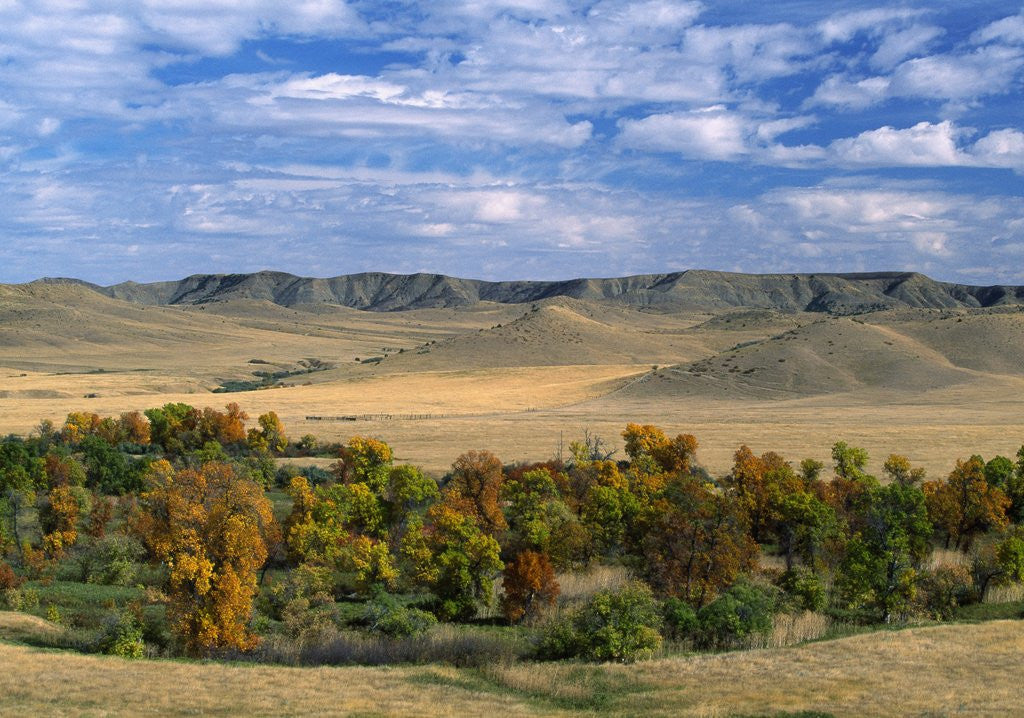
(937, 671)
(524, 381)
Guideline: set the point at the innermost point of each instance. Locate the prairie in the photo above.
(525, 379)
(969, 669)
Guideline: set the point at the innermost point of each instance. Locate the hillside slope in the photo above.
(690, 290)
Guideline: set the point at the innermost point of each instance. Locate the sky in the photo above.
(510, 139)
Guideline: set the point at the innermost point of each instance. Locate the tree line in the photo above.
(187, 491)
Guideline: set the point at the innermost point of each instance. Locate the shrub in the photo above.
(386, 614)
(111, 560)
(612, 626)
(804, 588)
(122, 636)
(9, 579)
(680, 619)
(743, 610)
(944, 589)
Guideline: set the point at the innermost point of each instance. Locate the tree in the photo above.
(965, 504)
(59, 521)
(696, 542)
(409, 493)
(879, 569)
(652, 455)
(134, 428)
(898, 469)
(998, 560)
(223, 427)
(62, 469)
(20, 470)
(211, 528)
(759, 485)
(270, 437)
(529, 586)
(475, 488)
(534, 510)
(365, 461)
(617, 626)
(805, 522)
(457, 559)
(78, 425)
(109, 470)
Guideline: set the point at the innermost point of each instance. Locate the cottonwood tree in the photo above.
(475, 489)
(695, 542)
(965, 505)
(211, 527)
(529, 586)
(881, 561)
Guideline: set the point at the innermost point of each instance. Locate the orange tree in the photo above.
(965, 504)
(695, 541)
(475, 489)
(211, 528)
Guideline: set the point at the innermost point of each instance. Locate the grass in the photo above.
(968, 669)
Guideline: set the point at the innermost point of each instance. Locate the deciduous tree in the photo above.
(210, 527)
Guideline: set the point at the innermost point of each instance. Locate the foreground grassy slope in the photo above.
(936, 671)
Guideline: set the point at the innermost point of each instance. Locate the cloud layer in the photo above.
(515, 138)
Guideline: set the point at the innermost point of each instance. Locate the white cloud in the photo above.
(1009, 30)
(923, 145)
(903, 44)
(713, 133)
(843, 92)
(986, 71)
(1001, 148)
(841, 27)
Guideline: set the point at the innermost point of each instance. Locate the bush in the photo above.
(111, 560)
(9, 579)
(386, 614)
(680, 619)
(739, 612)
(804, 588)
(942, 590)
(122, 636)
(612, 626)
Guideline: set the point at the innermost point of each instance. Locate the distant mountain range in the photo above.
(692, 289)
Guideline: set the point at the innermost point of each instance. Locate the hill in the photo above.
(690, 290)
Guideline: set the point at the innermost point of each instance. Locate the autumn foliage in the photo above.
(211, 527)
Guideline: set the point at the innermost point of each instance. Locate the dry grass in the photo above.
(24, 627)
(518, 388)
(943, 670)
(791, 629)
(578, 587)
(1011, 593)
(948, 557)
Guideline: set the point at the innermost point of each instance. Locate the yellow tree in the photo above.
(59, 519)
(270, 436)
(211, 527)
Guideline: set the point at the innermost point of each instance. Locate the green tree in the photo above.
(879, 569)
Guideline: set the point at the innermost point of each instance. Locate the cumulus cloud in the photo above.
(713, 133)
(924, 144)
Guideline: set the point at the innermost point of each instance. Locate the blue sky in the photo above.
(508, 139)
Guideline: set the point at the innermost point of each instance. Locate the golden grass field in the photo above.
(967, 669)
(524, 380)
